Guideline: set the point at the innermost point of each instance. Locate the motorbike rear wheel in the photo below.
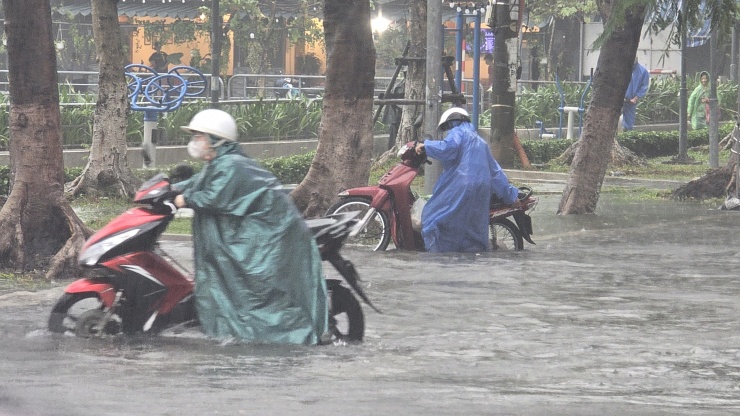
(377, 233)
(346, 320)
(73, 313)
(504, 235)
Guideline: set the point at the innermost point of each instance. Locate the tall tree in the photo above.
(107, 171)
(39, 229)
(346, 133)
(623, 23)
(416, 73)
(612, 75)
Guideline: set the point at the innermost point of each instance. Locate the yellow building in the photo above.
(170, 21)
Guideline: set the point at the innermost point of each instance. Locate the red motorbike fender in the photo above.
(379, 197)
(106, 291)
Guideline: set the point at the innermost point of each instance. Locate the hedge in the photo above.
(648, 144)
(292, 169)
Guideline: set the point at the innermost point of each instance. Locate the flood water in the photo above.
(631, 311)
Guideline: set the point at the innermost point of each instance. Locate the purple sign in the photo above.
(486, 42)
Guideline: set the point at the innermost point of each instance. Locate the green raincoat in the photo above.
(258, 272)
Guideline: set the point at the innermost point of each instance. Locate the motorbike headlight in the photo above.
(92, 254)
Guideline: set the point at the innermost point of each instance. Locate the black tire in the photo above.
(376, 235)
(504, 235)
(74, 308)
(346, 320)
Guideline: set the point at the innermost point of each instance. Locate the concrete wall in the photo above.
(172, 155)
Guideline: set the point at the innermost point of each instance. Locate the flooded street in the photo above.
(631, 311)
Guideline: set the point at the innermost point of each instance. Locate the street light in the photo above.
(380, 23)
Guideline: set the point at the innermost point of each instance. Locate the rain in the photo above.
(629, 311)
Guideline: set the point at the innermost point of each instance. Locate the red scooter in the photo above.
(387, 207)
(136, 287)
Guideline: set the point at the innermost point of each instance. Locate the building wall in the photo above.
(141, 48)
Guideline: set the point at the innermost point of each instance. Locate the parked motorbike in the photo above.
(136, 286)
(387, 209)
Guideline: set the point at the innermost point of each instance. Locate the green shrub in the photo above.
(665, 143)
(649, 144)
(542, 151)
(4, 180)
(289, 169)
(69, 175)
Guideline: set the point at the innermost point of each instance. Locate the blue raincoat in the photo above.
(455, 219)
(637, 87)
(258, 272)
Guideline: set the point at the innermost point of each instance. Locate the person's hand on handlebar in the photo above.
(419, 148)
(180, 201)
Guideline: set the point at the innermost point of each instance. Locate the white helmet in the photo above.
(454, 113)
(214, 122)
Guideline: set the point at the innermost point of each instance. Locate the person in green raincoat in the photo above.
(698, 108)
(258, 271)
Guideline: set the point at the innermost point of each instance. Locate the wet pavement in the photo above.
(633, 311)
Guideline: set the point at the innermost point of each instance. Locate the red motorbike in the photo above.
(134, 286)
(387, 209)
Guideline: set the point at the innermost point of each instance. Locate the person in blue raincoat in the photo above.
(636, 89)
(258, 271)
(455, 219)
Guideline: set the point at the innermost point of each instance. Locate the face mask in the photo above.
(197, 149)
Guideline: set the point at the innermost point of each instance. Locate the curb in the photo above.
(561, 178)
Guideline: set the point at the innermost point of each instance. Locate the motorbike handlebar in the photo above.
(524, 193)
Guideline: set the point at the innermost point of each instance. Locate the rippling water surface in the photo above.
(630, 311)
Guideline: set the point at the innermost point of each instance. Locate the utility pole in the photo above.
(216, 36)
(713, 103)
(683, 148)
(433, 93)
(505, 22)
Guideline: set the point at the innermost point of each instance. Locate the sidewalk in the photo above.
(541, 182)
(551, 182)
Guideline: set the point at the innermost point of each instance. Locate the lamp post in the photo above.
(683, 155)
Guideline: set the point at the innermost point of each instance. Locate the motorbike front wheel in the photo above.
(346, 320)
(376, 234)
(504, 235)
(80, 313)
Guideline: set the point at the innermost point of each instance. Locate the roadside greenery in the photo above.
(270, 119)
(261, 120)
(647, 144)
(659, 106)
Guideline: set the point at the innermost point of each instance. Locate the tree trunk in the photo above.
(612, 75)
(503, 86)
(620, 155)
(416, 74)
(39, 228)
(345, 145)
(107, 171)
(716, 183)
